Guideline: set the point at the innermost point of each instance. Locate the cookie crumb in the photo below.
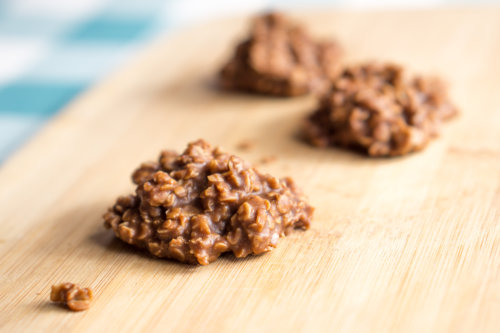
(268, 159)
(245, 145)
(72, 296)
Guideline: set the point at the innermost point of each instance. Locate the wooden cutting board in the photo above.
(408, 244)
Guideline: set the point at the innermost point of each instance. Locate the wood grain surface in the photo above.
(407, 244)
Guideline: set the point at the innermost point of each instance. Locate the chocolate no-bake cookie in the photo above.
(378, 109)
(279, 58)
(71, 295)
(194, 206)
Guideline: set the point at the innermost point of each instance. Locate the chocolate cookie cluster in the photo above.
(194, 206)
(280, 58)
(378, 109)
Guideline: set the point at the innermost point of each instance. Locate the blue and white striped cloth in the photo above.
(51, 50)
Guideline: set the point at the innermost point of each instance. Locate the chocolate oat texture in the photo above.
(378, 109)
(194, 206)
(280, 58)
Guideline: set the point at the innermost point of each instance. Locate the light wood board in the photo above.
(406, 244)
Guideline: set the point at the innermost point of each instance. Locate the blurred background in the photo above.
(52, 50)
